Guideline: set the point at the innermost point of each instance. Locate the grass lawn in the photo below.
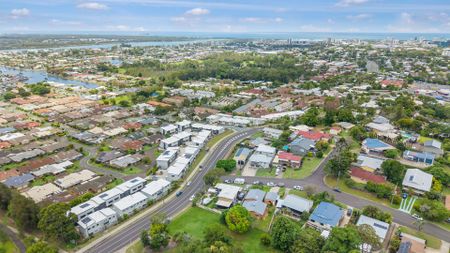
(309, 165)
(331, 182)
(136, 248)
(114, 183)
(423, 139)
(266, 172)
(432, 241)
(263, 224)
(6, 245)
(195, 220)
(298, 193)
(257, 135)
(43, 180)
(218, 137)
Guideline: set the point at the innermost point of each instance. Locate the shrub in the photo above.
(265, 240)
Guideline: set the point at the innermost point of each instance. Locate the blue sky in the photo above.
(225, 16)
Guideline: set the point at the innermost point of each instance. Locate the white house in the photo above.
(169, 129)
(107, 198)
(131, 186)
(167, 157)
(176, 171)
(84, 209)
(97, 222)
(156, 189)
(130, 204)
(266, 150)
(418, 181)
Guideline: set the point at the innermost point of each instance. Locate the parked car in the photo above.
(239, 181)
(189, 183)
(241, 196)
(349, 211)
(337, 190)
(281, 184)
(298, 187)
(227, 181)
(256, 182)
(277, 172)
(417, 217)
(271, 184)
(192, 198)
(178, 193)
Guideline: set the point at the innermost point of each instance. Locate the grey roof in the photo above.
(380, 120)
(381, 228)
(255, 194)
(255, 206)
(303, 143)
(271, 196)
(19, 181)
(433, 143)
(296, 203)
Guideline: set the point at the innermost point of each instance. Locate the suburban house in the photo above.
(156, 189)
(227, 195)
(363, 176)
(314, 135)
(295, 204)
(131, 186)
(97, 222)
(302, 146)
(84, 209)
(242, 155)
(434, 147)
(326, 216)
(411, 244)
(426, 158)
(107, 198)
(288, 159)
(375, 146)
(257, 208)
(272, 132)
(369, 163)
(381, 229)
(130, 204)
(418, 181)
(165, 159)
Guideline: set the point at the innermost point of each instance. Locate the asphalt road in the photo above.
(124, 237)
(14, 238)
(316, 181)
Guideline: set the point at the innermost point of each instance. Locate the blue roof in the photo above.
(374, 143)
(6, 130)
(243, 151)
(327, 213)
(18, 180)
(419, 155)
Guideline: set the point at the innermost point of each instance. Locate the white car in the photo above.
(298, 187)
(192, 198)
(270, 184)
(417, 217)
(188, 183)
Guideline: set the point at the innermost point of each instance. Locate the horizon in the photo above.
(229, 17)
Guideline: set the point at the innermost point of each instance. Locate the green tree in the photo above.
(228, 164)
(343, 240)
(376, 213)
(309, 241)
(369, 237)
(339, 165)
(215, 233)
(345, 115)
(358, 133)
(5, 196)
(393, 170)
(40, 247)
(311, 117)
(9, 95)
(23, 211)
(56, 224)
(433, 210)
(238, 219)
(145, 239)
(159, 235)
(212, 176)
(284, 233)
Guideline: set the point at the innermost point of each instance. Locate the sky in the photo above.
(225, 16)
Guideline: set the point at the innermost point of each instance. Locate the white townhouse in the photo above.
(97, 222)
(130, 204)
(156, 189)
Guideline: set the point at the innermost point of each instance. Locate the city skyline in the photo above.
(146, 16)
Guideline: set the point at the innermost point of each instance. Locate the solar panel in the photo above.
(379, 226)
(86, 220)
(104, 195)
(85, 205)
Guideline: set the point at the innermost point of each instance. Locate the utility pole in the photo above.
(393, 194)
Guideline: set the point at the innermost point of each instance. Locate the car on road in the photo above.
(277, 172)
(417, 217)
(189, 183)
(271, 184)
(337, 190)
(256, 182)
(239, 181)
(192, 198)
(349, 211)
(281, 184)
(227, 181)
(178, 193)
(298, 187)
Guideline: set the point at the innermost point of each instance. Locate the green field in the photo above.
(194, 221)
(266, 172)
(309, 165)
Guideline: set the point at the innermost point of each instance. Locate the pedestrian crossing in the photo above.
(407, 204)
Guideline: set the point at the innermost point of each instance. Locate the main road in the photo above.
(120, 239)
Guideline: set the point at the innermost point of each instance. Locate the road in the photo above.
(14, 238)
(316, 181)
(124, 237)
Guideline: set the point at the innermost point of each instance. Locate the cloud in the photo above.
(313, 28)
(252, 20)
(17, 13)
(92, 6)
(126, 28)
(197, 12)
(331, 21)
(278, 20)
(62, 22)
(256, 20)
(406, 18)
(345, 3)
(359, 16)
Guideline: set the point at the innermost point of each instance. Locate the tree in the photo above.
(433, 210)
(284, 233)
(41, 246)
(145, 239)
(339, 165)
(440, 174)
(159, 235)
(23, 211)
(343, 240)
(9, 95)
(238, 219)
(265, 239)
(215, 233)
(309, 241)
(345, 115)
(311, 117)
(212, 176)
(369, 236)
(391, 153)
(393, 170)
(228, 165)
(358, 133)
(5, 196)
(56, 224)
(376, 213)
(124, 103)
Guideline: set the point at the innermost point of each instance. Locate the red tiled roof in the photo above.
(447, 202)
(4, 175)
(397, 83)
(132, 125)
(133, 145)
(289, 156)
(4, 144)
(367, 176)
(313, 135)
